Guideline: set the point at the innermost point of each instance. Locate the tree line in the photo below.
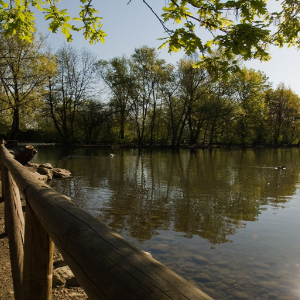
(71, 96)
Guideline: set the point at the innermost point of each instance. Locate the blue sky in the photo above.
(133, 25)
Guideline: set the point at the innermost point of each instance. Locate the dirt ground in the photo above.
(6, 285)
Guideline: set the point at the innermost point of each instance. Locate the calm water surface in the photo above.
(226, 220)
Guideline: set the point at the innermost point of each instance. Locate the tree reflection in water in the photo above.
(185, 206)
(202, 192)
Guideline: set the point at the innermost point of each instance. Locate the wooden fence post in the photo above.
(38, 259)
(15, 224)
(3, 185)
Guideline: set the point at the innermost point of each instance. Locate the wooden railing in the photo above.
(106, 266)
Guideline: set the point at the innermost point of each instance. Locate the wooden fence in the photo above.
(105, 265)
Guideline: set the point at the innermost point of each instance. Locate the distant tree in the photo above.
(284, 111)
(218, 114)
(91, 117)
(171, 105)
(148, 70)
(248, 90)
(74, 83)
(24, 70)
(192, 92)
(119, 77)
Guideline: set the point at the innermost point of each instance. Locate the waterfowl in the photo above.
(281, 168)
(112, 155)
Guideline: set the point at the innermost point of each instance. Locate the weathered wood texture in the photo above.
(3, 185)
(15, 226)
(105, 264)
(38, 259)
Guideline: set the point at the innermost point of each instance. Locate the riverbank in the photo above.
(161, 146)
(6, 285)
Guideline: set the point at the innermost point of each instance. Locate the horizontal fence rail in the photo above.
(105, 265)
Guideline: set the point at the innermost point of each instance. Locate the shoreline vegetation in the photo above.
(141, 101)
(159, 146)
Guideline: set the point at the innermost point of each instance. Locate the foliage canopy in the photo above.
(18, 17)
(238, 27)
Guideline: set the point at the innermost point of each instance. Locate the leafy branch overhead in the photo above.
(236, 27)
(240, 27)
(18, 18)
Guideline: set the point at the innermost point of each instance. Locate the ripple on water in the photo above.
(239, 295)
(199, 259)
(202, 277)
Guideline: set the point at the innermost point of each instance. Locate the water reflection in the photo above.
(184, 207)
(204, 193)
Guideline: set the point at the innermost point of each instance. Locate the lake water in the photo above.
(226, 220)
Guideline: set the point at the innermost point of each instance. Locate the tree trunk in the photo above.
(15, 124)
(122, 126)
(152, 123)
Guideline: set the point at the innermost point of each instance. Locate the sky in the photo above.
(132, 25)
